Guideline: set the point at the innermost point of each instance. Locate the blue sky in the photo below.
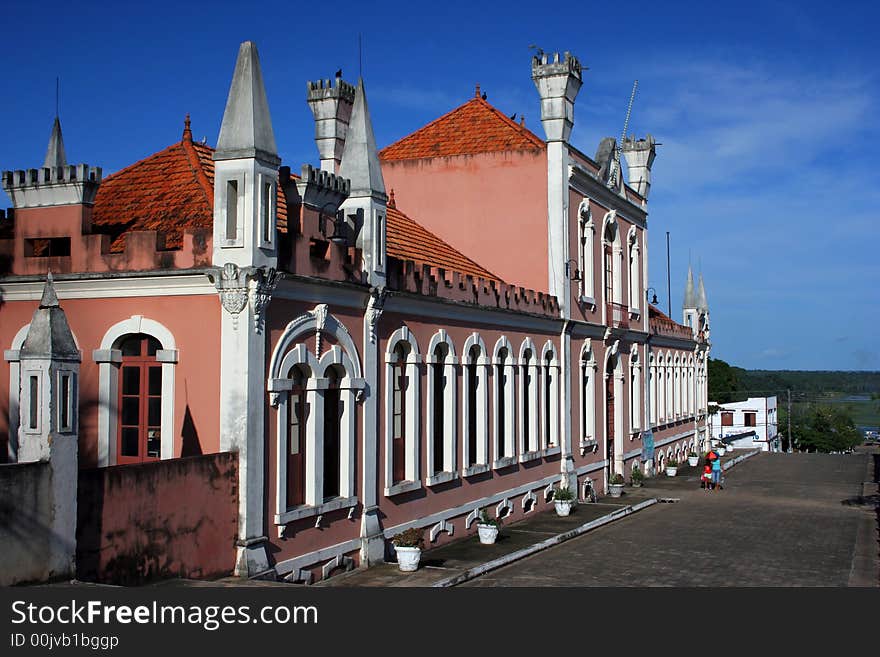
(765, 177)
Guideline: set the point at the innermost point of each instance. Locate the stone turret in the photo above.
(640, 154)
(246, 170)
(49, 420)
(331, 105)
(558, 82)
(365, 208)
(56, 182)
(689, 303)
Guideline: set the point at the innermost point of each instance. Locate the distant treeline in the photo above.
(728, 383)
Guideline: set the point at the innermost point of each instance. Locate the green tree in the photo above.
(822, 428)
(723, 382)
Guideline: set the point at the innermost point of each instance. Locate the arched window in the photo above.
(676, 386)
(612, 266)
(652, 388)
(399, 385)
(550, 396)
(634, 271)
(661, 390)
(402, 407)
(528, 402)
(298, 410)
(139, 401)
(635, 390)
(442, 412)
(504, 405)
(316, 420)
(588, 396)
(670, 400)
(475, 421)
(585, 251)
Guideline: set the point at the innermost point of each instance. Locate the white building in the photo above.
(746, 424)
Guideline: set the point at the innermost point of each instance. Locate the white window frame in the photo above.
(553, 370)
(481, 462)
(635, 391)
(586, 230)
(269, 216)
(109, 358)
(241, 182)
(634, 277)
(588, 368)
(509, 404)
(449, 364)
(289, 352)
(529, 368)
(413, 414)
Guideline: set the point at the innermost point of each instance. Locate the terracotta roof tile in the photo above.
(407, 240)
(475, 127)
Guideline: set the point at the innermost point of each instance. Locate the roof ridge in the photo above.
(428, 125)
(531, 136)
(199, 171)
(139, 162)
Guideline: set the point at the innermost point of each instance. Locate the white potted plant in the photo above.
(487, 528)
(671, 467)
(615, 485)
(693, 459)
(563, 498)
(408, 547)
(721, 449)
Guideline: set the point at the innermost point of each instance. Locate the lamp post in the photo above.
(654, 300)
(571, 270)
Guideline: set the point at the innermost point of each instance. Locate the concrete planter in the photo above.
(488, 534)
(720, 451)
(615, 490)
(563, 507)
(693, 461)
(671, 471)
(408, 558)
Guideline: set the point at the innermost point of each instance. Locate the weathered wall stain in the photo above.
(173, 518)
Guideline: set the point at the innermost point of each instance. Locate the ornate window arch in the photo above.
(670, 399)
(586, 231)
(635, 294)
(475, 405)
(442, 411)
(530, 382)
(109, 359)
(612, 260)
(549, 396)
(635, 390)
(316, 419)
(588, 396)
(505, 445)
(402, 410)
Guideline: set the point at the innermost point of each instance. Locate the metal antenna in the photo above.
(615, 165)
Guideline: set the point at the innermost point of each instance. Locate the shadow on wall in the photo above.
(189, 436)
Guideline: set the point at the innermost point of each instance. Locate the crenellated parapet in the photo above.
(422, 279)
(51, 186)
(321, 190)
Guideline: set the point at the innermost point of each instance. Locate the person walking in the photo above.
(706, 477)
(716, 474)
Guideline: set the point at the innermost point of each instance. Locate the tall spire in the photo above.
(360, 158)
(246, 130)
(702, 302)
(49, 335)
(690, 298)
(55, 156)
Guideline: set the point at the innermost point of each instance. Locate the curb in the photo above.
(476, 571)
(739, 459)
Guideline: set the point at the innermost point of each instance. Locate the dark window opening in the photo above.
(231, 209)
(47, 247)
(318, 249)
(332, 425)
(34, 402)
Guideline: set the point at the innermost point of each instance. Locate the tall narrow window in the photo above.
(549, 382)
(501, 411)
(527, 390)
(380, 240)
(398, 436)
(34, 406)
(298, 413)
(588, 397)
(231, 209)
(265, 208)
(472, 383)
(65, 403)
(332, 425)
(609, 275)
(439, 419)
(140, 400)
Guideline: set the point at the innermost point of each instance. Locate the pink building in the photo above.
(398, 339)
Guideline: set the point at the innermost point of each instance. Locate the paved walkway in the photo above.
(781, 520)
(464, 559)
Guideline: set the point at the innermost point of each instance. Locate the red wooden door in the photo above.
(140, 401)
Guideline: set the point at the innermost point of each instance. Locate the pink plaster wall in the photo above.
(173, 518)
(492, 207)
(194, 321)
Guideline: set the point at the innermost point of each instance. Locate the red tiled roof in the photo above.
(169, 192)
(475, 127)
(407, 240)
